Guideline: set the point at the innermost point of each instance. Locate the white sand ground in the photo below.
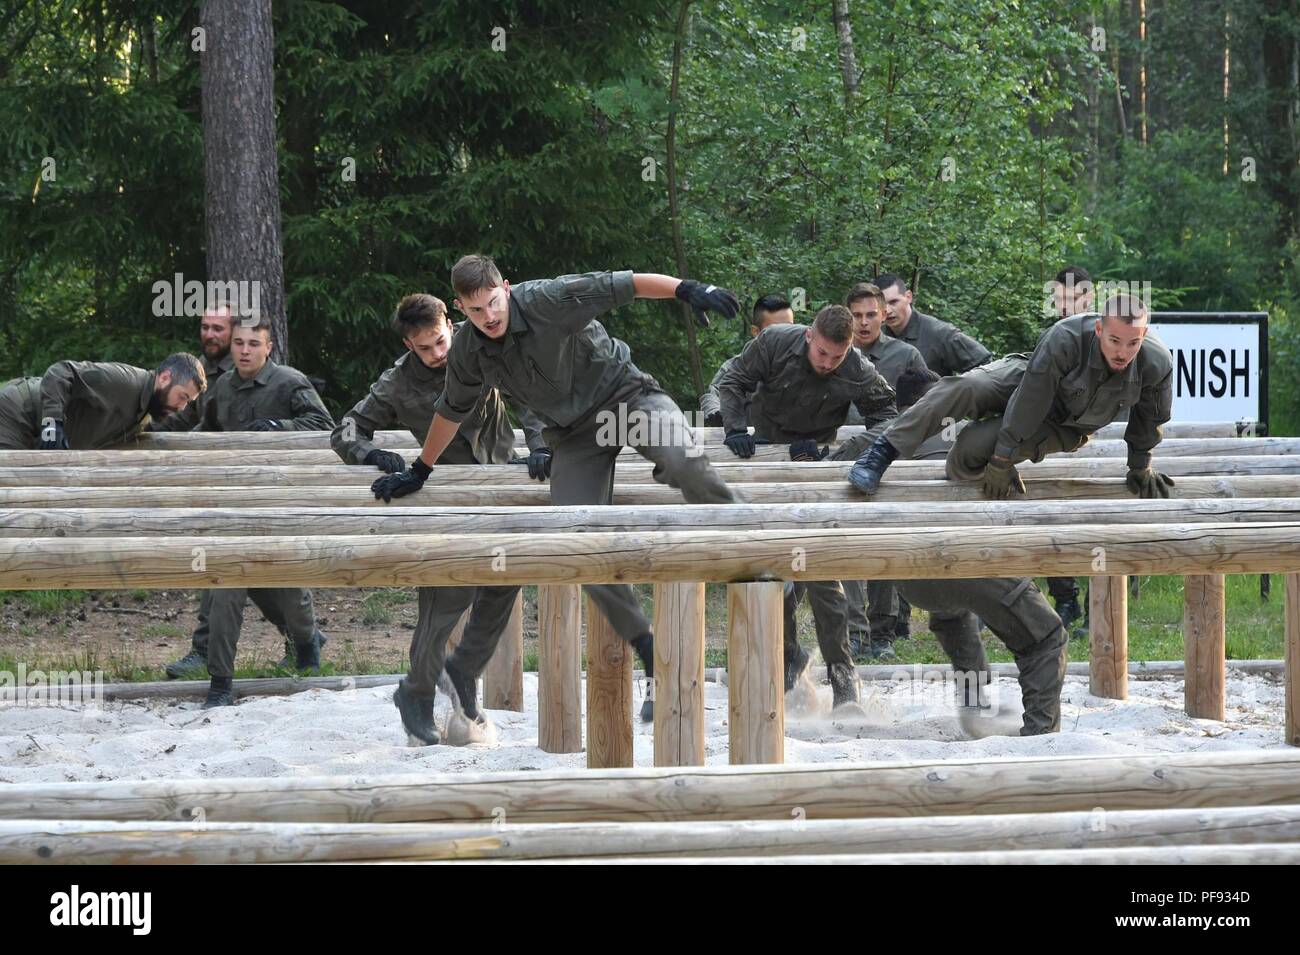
(353, 732)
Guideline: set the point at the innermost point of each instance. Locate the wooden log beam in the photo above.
(1204, 645)
(654, 557)
(453, 475)
(609, 694)
(1189, 488)
(679, 674)
(978, 785)
(317, 521)
(65, 842)
(1292, 611)
(559, 669)
(756, 691)
(1260, 854)
(1108, 648)
(503, 680)
(192, 440)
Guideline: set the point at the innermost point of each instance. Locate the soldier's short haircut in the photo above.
(888, 280)
(770, 304)
(184, 368)
(417, 312)
(865, 290)
(912, 386)
(255, 319)
(472, 273)
(1074, 275)
(1127, 308)
(834, 323)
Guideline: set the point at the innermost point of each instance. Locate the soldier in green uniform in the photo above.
(876, 618)
(259, 395)
(768, 310)
(802, 381)
(1085, 372)
(406, 396)
(214, 339)
(1019, 615)
(88, 405)
(946, 349)
(540, 345)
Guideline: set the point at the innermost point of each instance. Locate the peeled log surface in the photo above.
(771, 472)
(59, 842)
(951, 787)
(512, 495)
(650, 557)
(316, 521)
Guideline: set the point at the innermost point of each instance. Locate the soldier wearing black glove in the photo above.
(704, 298)
(741, 443)
(53, 438)
(265, 424)
(805, 449)
(390, 462)
(539, 464)
(400, 485)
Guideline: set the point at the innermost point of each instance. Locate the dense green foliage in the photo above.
(983, 147)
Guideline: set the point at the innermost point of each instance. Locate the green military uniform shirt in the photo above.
(790, 400)
(946, 349)
(100, 404)
(1068, 382)
(892, 357)
(193, 413)
(276, 392)
(407, 394)
(554, 359)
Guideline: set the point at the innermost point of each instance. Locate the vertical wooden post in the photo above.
(1292, 724)
(679, 674)
(559, 669)
(609, 694)
(503, 680)
(756, 678)
(1204, 646)
(1108, 618)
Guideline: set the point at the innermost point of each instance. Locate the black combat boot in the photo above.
(844, 684)
(870, 467)
(417, 715)
(463, 692)
(221, 692)
(795, 664)
(189, 667)
(302, 658)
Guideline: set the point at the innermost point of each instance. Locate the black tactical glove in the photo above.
(390, 462)
(702, 298)
(1148, 482)
(805, 449)
(53, 438)
(400, 485)
(741, 443)
(713, 420)
(265, 424)
(539, 464)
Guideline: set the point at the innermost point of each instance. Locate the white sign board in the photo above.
(1220, 367)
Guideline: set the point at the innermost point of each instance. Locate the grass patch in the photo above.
(48, 602)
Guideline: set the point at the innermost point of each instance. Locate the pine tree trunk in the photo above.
(242, 192)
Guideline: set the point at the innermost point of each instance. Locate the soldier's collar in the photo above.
(263, 374)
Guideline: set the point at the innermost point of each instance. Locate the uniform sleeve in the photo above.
(741, 379)
(532, 426)
(1154, 407)
(1032, 400)
(711, 400)
(875, 401)
(351, 439)
(464, 385)
(571, 301)
(309, 412)
(61, 383)
(964, 353)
